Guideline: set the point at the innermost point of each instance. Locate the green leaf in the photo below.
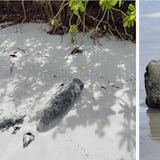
(73, 29)
(114, 2)
(54, 22)
(108, 3)
(120, 3)
(131, 7)
(77, 5)
(130, 17)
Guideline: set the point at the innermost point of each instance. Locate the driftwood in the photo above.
(59, 103)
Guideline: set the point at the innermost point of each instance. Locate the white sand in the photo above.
(100, 125)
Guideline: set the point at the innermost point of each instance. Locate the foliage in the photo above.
(96, 18)
(54, 22)
(108, 4)
(73, 30)
(130, 17)
(77, 6)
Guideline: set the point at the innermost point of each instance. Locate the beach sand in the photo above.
(101, 124)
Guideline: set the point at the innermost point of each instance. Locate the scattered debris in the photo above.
(11, 66)
(27, 139)
(13, 55)
(77, 49)
(117, 87)
(16, 129)
(62, 84)
(7, 24)
(54, 76)
(8, 122)
(103, 87)
(113, 85)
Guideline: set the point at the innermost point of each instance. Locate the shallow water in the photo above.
(149, 50)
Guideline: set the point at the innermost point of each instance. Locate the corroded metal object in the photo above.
(152, 84)
(59, 103)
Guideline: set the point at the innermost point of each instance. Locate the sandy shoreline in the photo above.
(100, 125)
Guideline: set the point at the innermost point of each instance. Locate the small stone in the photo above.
(7, 122)
(27, 139)
(16, 129)
(77, 49)
(103, 87)
(54, 76)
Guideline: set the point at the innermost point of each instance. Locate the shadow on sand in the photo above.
(109, 84)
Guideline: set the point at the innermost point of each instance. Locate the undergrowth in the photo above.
(116, 17)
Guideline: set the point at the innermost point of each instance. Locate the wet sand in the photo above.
(100, 125)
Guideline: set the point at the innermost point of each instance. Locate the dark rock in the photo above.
(59, 103)
(77, 49)
(7, 122)
(16, 129)
(152, 84)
